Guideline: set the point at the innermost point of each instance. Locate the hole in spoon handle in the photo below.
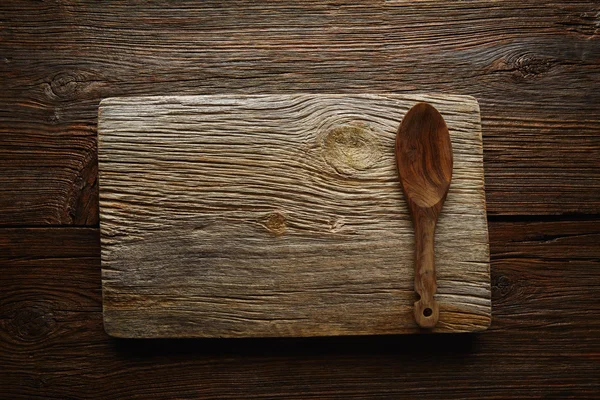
(426, 309)
(427, 313)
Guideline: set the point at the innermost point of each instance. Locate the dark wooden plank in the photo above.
(48, 170)
(535, 69)
(543, 341)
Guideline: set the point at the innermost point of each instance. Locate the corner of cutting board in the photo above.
(485, 326)
(110, 329)
(103, 103)
(106, 101)
(470, 98)
(113, 330)
(478, 109)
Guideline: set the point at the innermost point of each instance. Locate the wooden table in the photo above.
(535, 68)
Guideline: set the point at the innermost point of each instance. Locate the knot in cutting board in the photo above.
(351, 147)
(275, 223)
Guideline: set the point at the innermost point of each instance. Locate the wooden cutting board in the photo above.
(279, 215)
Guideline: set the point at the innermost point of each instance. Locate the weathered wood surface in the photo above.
(532, 65)
(535, 69)
(279, 215)
(543, 342)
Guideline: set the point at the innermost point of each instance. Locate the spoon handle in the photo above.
(426, 308)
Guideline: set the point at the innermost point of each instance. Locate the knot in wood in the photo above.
(351, 148)
(32, 322)
(65, 85)
(501, 287)
(71, 85)
(276, 223)
(530, 65)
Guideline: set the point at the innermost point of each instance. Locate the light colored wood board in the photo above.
(279, 215)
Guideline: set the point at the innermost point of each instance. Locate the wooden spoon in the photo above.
(424, 157)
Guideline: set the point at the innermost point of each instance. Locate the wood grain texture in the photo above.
(279, 215)
(543, 342)
(534, 68)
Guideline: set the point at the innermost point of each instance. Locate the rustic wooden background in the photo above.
(533, 65)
